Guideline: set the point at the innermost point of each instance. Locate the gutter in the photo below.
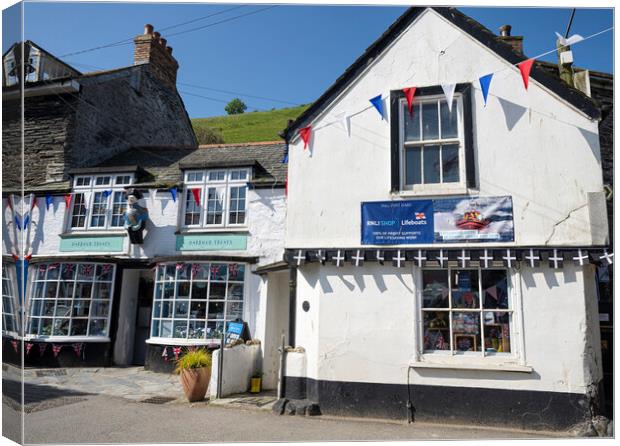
(69, 86)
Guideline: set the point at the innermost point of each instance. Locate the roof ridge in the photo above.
(240, 144)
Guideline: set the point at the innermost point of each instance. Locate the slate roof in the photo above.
(162, 166)
(468, 25)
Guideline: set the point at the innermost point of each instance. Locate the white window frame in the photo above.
(33, 274)
(9, 275)
(481, 359)
(192, 341)
(432, 188)
(204, 184)
(88, 192)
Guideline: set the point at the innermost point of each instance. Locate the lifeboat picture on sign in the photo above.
(473, 219)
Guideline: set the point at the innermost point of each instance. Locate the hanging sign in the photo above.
(397, 222)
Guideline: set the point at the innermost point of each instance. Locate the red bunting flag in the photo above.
(305, 135)
(196, 194)
(29, 346)
(42, 348)
(77, 348)
(164, 354)
(176, 351)
(67, 200)
(14, 344)
(409, 93)
(525, 67)
(56, 349)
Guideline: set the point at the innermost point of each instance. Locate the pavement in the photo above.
(131, 405)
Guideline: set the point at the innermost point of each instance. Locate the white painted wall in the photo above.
(363, 327)
(530, 145)
(240, 363)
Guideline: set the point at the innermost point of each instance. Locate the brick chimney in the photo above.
(151, 49)
(516, 42)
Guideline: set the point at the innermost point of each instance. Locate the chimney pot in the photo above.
(156, 35)
(504, 30)
(169, 48)
(148, 29)
(163, 41)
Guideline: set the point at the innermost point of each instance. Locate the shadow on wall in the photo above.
(549, 275)
(359, 281)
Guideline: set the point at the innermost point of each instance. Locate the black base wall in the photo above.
(94, 354)
(155, 362)
(458, 405)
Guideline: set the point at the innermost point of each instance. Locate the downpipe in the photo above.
(410, 407)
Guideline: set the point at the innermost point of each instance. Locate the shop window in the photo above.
(98, 202)
(194, 301)
(10, 318)
(222, 198)
(431, 147)
(466, 310)
(70, 300)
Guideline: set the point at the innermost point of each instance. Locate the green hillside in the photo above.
(251, 126)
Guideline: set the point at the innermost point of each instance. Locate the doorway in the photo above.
(143, 318)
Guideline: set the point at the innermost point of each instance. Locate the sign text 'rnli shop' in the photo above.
(449, 220)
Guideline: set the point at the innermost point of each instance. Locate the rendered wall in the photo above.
(530, 145)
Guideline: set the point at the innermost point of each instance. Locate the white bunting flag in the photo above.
(575, 38)
(152, 193)
(343, 120)
(448, 90)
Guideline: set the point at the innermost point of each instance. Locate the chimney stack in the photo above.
(516, 42)
(150, 48)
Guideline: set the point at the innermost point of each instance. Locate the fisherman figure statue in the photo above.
(135, 217)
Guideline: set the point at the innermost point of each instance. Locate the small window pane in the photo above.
(99, 308)
(431, 164)
(450, 163)
(61, 327)
(99, 206)
(215, 329)
(118, 208)
(497, 332)
(86, 271)
(413, 167)
(218, 290)
(218, 271)
(181, 308)
(52, 271)
(68, 271)
(465, 289)
(198, 310)
(466, 331)
(180, 329)
(436, 330)
(199, 290)
(449, 127)
(123, 179)
(78, 217)
(217, 175)
(97, 327)
(78, 327)
(81, 308)
(101, 181)
(236, 272)
(435, 290)
(495, 289)
(196, 330)
(430, 121)
(412, 123)
(234, 311)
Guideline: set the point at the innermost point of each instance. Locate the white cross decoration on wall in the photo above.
(320, 256)
(398, 261)
(533, 258)
(464, 258)
(441, 258)
(358, 258)
(380, 257)
(420, 258)
(581, 258)
(509, 259)
(300, 257)
(555, 261)
(608, 258)
(485, 259)
(338, 259)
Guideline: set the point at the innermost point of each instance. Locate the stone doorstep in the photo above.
(262, 402)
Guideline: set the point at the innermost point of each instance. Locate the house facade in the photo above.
(135, 243)
(445, 241)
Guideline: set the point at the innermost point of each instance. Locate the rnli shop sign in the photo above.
(452, 220)
(397, 222)
(211, 242)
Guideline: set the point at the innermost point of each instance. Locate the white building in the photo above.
(447, 257)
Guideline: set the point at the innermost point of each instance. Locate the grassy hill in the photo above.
(252, 126)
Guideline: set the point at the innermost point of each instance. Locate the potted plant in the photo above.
(194, 369)
(255, 382)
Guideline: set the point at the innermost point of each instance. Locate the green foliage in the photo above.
(193, 359)
(208, 135)
(235, 107)
(251, 127)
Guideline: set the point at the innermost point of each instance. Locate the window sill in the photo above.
(88, 233)
(454, 190)
(503, 367)
(186, 231)
(181, 341)
(67, 338)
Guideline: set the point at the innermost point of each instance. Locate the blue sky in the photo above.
(288, 53)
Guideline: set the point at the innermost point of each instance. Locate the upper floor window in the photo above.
(99, 201)
(431, 145)
(216, 198)
(10, 319)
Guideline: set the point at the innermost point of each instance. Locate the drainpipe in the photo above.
(292, 310)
